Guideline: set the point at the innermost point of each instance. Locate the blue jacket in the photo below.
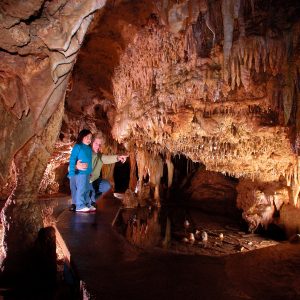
(80, 152)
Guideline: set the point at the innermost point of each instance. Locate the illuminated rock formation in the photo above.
(235, 109)
(216, 81)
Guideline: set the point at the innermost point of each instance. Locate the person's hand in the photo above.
(81, 166)
(122, 158)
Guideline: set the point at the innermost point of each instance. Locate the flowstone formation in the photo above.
(218, 81)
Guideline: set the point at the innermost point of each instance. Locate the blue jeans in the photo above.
(98, 187)
(73, 189)
(79, 185)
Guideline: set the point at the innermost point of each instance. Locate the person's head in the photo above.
(98, 141)
(84, 137)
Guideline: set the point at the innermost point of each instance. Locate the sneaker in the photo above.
(94, 204)
(92, 208)
(119, 196)
(72, 207)
(84, 210)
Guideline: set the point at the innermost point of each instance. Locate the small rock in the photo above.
(198, 234)
(204, 236)
(191, 238)
(186, 224)
(221, 236)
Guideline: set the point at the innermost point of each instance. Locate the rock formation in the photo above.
(217, 81)
(39, 43)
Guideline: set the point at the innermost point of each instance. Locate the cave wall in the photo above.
(212, 192)
(39, 43)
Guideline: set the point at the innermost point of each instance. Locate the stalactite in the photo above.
(208, 21)
(149, 164)
(245, 77)
(230, 11)
(287, 102)
(228, 20)
(163, 70)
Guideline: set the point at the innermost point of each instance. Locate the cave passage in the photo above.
(203, 99)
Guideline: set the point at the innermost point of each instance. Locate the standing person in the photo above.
(99, 186)
(79, 179)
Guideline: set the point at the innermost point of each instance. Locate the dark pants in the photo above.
(98, 187)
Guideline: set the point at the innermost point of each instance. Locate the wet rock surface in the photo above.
(112, 268)
(191, 232)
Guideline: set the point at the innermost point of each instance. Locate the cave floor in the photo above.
(111, 268)
(146, 228)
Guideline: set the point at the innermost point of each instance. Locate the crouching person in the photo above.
(99, 186)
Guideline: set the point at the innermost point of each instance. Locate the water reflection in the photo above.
(186, 231)
(142, 226)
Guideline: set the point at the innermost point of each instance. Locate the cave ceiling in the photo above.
(217, 81)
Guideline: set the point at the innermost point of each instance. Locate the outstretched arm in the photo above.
(111, 159)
